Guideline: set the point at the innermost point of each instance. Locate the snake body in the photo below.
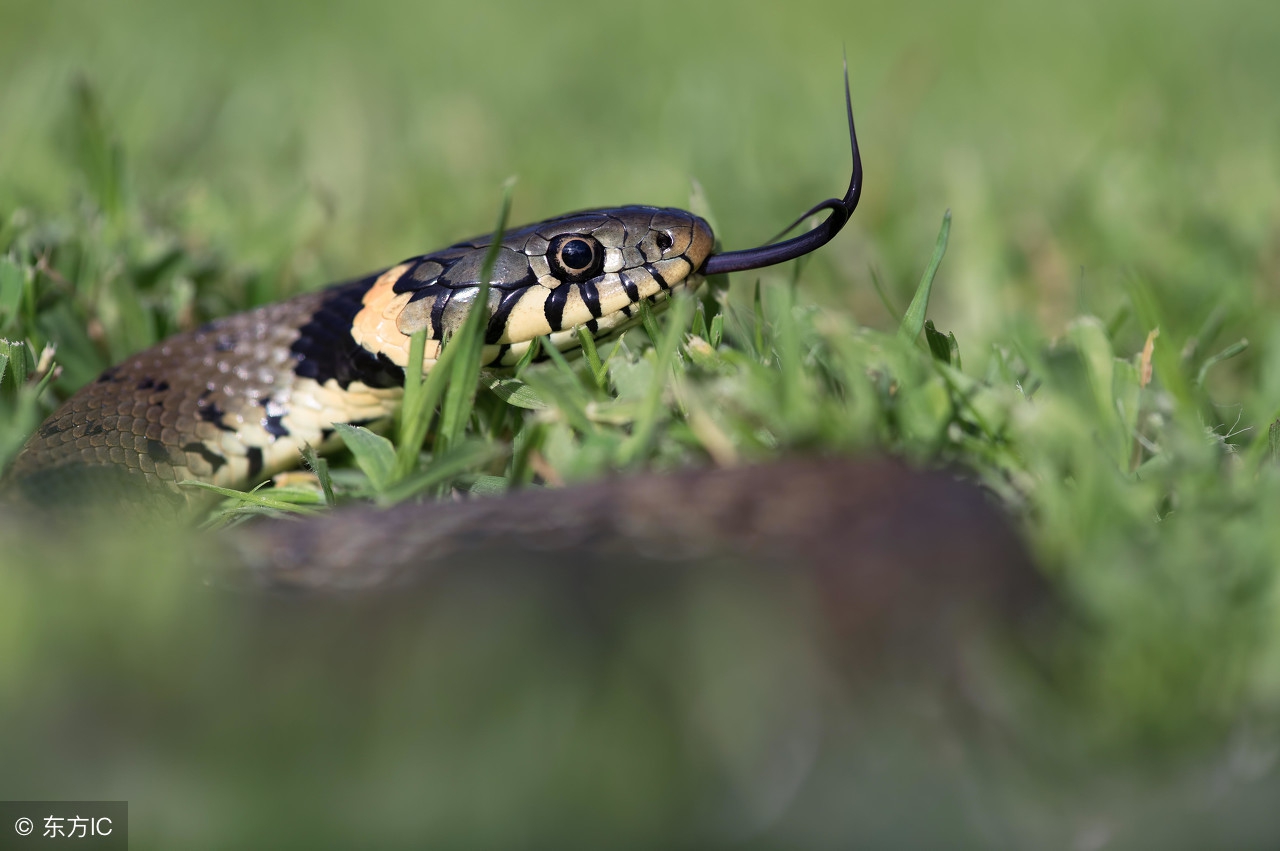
(234, 401)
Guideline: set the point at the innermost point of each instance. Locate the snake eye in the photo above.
(663, 239)
(575, 257)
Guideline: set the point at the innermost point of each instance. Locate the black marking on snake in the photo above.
(593, 326)
(254, 457)
(626, 232)
(273, 425)
(502, 352)
(151, 384)
(498, 321)
(210, 412)
(553, 310)
(109, 374)
(657, 276)
(629, 284)
(224, 343)
(407, 282)
(157, 451)
(626, 309)
(325, 348)
(418, 295)
(213, 459)
(436, 331)
(591, 296)
(93, 428)
(52, 427)
(326, 433)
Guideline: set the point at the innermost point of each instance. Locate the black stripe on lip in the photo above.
(633, 291)
(657, 276)
(553, 310)
(591, 296)
(593, 326)
(498, 321)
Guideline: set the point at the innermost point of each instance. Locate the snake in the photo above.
(235, 401)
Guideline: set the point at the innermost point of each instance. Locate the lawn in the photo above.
(1111, 377)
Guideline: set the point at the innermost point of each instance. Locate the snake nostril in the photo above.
(663, 240)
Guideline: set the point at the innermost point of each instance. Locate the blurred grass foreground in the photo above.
(1102, 358)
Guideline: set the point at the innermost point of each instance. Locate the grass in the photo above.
(1099, 341)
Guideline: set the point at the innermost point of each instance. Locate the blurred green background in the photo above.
(1074, 143)
(1119, 160)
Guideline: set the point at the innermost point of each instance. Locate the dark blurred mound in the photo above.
(892, 556)
(813, 653)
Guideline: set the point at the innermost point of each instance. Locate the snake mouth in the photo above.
(778, 251)
(606, 327)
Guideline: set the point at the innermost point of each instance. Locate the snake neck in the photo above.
(230, 403)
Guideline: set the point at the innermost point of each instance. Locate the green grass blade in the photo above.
(878, 286)
(12, 289)
(1226, 354)
(373, 453)
(446, 465)
(535, 347)
(320, 467)
(757, 307)
(464, 374)
(939, 345)
(593, 357)
(253, 498)
(518, 393)
(418, 409)
(913, 319)
(717, 330)
(665, 352)
(649, 321)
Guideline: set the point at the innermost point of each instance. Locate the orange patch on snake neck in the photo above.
(374, 327)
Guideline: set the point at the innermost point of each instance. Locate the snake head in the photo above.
(587, 269)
